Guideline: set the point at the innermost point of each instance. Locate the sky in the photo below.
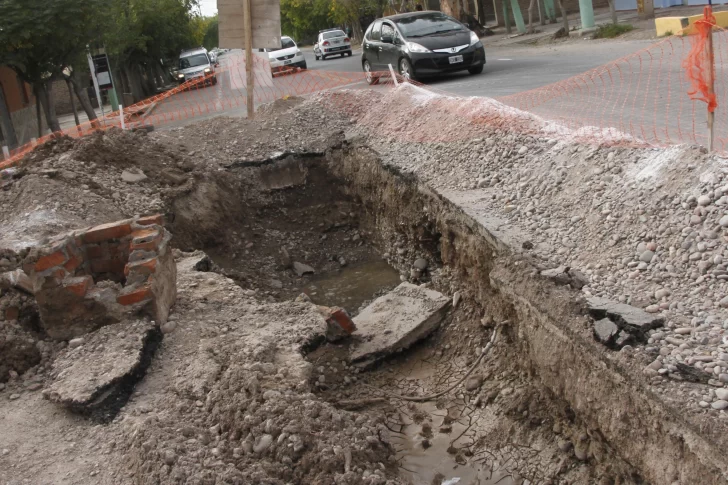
(208, 7)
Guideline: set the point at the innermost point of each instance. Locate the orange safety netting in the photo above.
(699, 62)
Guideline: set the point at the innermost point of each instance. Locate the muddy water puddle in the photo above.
(440, 442)
(351, 286)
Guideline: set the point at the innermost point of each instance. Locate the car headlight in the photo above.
(474, 39)
(414, 47)
(181, 76)
(207, 70)
(298, 52)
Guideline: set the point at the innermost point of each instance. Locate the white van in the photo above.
(196, 63)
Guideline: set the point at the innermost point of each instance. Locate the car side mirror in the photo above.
(388, 39)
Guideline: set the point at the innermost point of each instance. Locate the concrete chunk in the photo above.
(634, 320)
(605, 331)
(396, 320)
(96, 378)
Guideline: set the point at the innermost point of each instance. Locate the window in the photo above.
(428, 24)
(286, 43)
(377, 31)
(333, 34)
(193, 61)
(387, 30)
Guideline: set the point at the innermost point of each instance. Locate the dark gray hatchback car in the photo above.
(420, 44)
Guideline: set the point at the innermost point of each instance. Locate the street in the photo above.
(510, 70)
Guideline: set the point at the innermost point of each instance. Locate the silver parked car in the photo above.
(332, 42)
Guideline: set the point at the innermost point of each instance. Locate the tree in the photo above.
(145, 33)
(39, 39)
(212, 34)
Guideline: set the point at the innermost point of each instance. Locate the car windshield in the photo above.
(193, 61)
(428, 24)
(286, 43)
(335, 33)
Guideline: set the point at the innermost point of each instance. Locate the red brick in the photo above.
(148, 266)
(106, 232)
(12, 313)
(50, 261)
(342, 319)
(73, 263)
(146, 239)
(95, 252)
(134, 295)
(79, 285)
(149, 220)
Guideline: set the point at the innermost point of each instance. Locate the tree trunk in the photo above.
(73, 102)
(6, 124)
(46, 99)
(499, 21)
(530, 16)
(84, 100)
(541, 18)
(563, 14)
(613, 11)
(37, 111)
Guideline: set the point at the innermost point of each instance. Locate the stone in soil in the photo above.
(97, 378)
(302, 269)
(396, 320)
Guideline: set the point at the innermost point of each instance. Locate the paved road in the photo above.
(513, 69)
(645, 96)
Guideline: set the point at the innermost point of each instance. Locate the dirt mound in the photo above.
(239, 408)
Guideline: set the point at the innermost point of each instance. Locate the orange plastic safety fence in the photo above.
(698, 62)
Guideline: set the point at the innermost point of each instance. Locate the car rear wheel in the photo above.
(323, 57)
(406, 71)
(304, 65)
(476, 69)
(343, 54)
(370, 76)
(348, 53)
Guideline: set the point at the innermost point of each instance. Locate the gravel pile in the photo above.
(647, 226)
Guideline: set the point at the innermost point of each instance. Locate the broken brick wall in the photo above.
(94, 277)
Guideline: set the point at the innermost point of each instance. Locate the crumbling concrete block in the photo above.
(396, 320)
(97, 374)
(94, 277)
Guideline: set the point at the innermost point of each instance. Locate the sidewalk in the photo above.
(643, 29)
(67, 121)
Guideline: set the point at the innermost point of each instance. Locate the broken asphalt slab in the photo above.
(96, 375)
(396, 320)
(632, 319)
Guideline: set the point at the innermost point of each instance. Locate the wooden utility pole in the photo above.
(249, 75)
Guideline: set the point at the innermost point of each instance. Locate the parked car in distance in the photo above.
(332, 42)
(288, 55)
(420, 44)
(196, 63)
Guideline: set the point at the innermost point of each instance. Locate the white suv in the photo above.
(195, 63)
(288, 55)
(332, 42)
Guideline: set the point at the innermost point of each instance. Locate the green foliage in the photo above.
(39, 38)
(211, 38)
(150, 30)
(611, 31)
(302, 19)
